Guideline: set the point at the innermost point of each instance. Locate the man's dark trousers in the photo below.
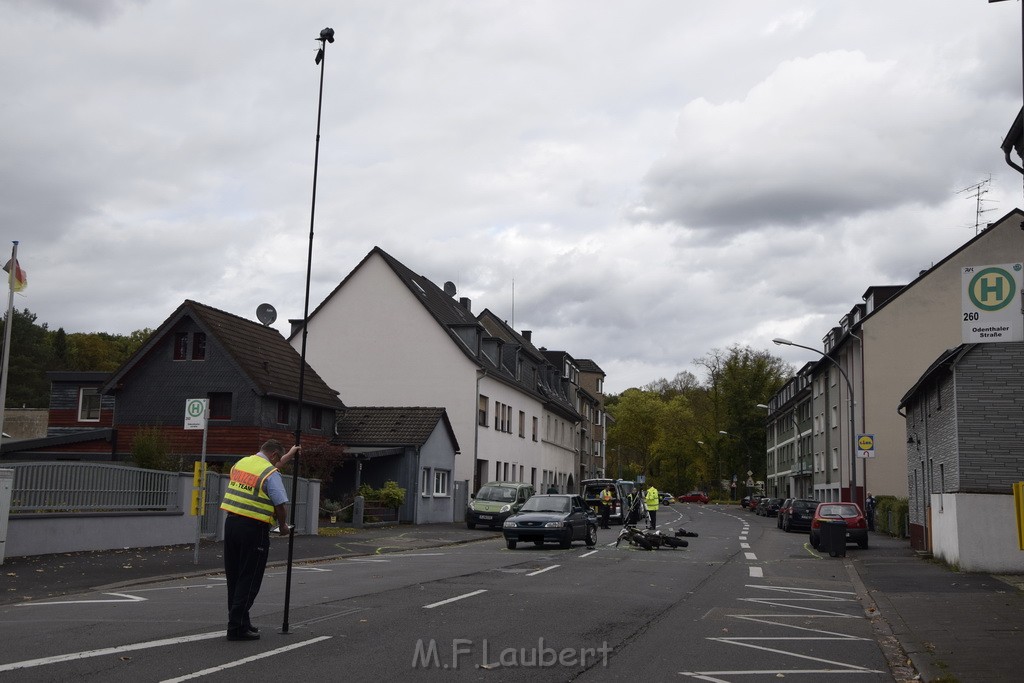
(246, 546)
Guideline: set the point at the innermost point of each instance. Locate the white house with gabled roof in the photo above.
(390, 337)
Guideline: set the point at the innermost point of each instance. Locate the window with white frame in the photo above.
(425, 482)
(89, 404)
(442, 481)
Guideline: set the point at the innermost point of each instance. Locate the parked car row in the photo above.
(805, 514)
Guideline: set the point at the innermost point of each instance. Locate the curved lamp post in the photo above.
(853, 432)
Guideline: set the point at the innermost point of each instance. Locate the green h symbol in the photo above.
(991, 283)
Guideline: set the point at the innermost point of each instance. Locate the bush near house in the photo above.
(891, 515)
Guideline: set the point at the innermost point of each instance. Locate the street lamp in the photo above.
(849, 386)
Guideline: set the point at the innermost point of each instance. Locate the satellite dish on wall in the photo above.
(449, 288)
(266, 314)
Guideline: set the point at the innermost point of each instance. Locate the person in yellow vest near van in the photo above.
(606, 505)
(255, 497)
(651, 502)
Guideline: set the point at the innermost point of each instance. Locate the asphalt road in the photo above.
(743, 602)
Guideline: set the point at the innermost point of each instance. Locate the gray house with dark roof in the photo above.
(964, 437)
(414, 447)
(247, 371)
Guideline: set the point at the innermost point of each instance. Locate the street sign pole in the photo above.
(196, 414)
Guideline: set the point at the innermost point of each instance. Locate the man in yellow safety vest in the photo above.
(254, 498)
(651, 501)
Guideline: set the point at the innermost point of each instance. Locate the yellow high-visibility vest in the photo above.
(245, 495)
(652, 499)
(606, 496)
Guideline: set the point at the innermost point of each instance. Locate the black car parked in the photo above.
(799, 515)
(555, 518)
(769, 507)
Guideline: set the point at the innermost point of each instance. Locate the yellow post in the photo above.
(1018, 509)
(198, 489)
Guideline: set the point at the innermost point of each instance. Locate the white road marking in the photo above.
(457, 597)
(756, 573)
(240, 662)
(86, 654)
(124, 598)
(750, 556)
(779, 620)
(365, 559)
(744, 545)
(546, 569)
(590, 553)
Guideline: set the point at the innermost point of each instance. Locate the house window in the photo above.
(283, 412)
(199, 346)
(600, 385)
(522, 424)
(89, 404)
(441, 480)
(220, 405)
(180, 345)
(536, 428)
(482, 411)
(425, 482)
(316, 418)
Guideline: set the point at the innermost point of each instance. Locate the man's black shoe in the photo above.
(254, 629)
(244, 635)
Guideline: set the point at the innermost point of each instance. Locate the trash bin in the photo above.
(833, 538)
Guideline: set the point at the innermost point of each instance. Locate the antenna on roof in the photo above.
(266, 314)
(978, 192)
(449, 288)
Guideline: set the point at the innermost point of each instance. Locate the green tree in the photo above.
(31, 355)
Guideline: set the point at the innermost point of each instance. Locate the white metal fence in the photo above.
(64, 487)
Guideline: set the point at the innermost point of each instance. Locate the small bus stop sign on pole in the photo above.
(195, 413)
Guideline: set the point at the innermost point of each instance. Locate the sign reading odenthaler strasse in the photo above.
(992, 303)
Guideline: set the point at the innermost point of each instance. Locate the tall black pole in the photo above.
(326, 36)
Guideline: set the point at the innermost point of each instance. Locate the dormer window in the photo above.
(89, 404)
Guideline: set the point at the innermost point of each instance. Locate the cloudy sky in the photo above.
(658, 178)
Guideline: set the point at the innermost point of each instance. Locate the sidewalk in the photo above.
(46, 576)
(953, 626)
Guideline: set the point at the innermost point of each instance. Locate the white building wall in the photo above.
(378, 346)
(375, 343)
(976, 532)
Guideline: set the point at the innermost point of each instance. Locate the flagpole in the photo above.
(7, 334)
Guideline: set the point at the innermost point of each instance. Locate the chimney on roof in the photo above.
(527, 334)
(466, 303)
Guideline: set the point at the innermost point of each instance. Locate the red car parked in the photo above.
(856, 522)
